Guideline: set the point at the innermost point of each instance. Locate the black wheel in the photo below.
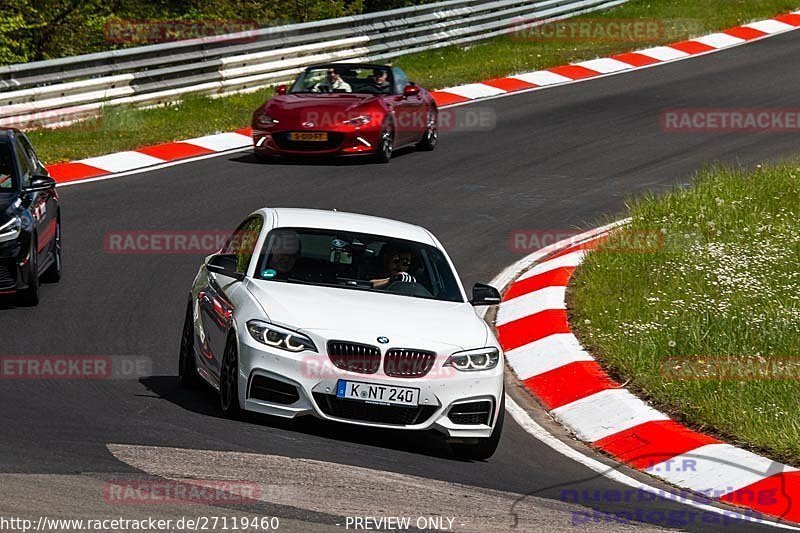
(482, 449)
(187, 364)
(30, 296)
(53, 272)
(431, 136)
(386, 146)
(229, 381)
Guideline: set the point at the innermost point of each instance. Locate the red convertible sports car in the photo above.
(346, 109)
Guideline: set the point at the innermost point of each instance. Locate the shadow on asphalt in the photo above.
(317, 161)
(204, 401)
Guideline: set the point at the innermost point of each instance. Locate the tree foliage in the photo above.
(32, 30)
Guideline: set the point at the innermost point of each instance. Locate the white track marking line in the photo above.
(663, 53)
(121, 161)
(719, 40)
(544, 355)
(605, 65)
(717, 469)
(474, 90)
(605, 413)
(542, 78)
(221, 141)
(770, 27)
(531, 303)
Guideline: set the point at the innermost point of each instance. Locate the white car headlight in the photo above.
(11, 229)
(360, 120)
(471, 360)
(279, 337)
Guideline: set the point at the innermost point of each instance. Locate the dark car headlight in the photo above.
(266, 120)
(278, 337)
(472, 360)
(10, 230)
(361, 120)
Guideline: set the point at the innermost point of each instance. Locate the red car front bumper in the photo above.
(350, 142)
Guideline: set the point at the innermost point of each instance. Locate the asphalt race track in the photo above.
(557, 158)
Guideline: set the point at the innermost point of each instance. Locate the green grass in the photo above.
(500, 56)
(719, 293)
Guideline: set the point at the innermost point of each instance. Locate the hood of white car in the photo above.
(363, 316)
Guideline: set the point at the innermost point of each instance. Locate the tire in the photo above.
(431, 136)
(386, 145)
(229, 381)
(187, 364)
(482, 449)
(30, 296)
(53, 272)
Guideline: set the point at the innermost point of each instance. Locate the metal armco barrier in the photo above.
(61, 91)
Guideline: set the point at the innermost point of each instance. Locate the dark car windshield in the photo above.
(357, 261)
(7, 172)
(344, 79)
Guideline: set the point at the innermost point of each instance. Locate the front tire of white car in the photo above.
(229, 381)
(187, 365)
(482, 449)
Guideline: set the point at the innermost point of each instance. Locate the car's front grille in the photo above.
(354, 357)
(282, 140)
(7, 274)
(407, 363)
(368, 412)
(273, 391)
(471, 413)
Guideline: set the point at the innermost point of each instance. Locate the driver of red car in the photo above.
(333, 83)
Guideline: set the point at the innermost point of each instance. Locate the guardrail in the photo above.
(61, 91)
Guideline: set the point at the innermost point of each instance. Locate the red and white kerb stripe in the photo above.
(533, 329)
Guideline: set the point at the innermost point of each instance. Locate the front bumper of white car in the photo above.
(460, 404)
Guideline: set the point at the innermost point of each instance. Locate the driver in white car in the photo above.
(396, 262)
(333, 83)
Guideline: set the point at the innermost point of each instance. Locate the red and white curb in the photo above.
(619, 63)
(548, 359)
(150, 157)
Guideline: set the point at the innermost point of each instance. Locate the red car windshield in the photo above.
(344, 79)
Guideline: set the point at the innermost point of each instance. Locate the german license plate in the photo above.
(313, 136)
(375, 393)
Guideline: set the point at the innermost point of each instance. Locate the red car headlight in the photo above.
(360, 120)
(266, 120)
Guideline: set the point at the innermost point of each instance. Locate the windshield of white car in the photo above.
(357, 261)
(339, 79)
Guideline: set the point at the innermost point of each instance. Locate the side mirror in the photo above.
(41, 182)
(282, 89)
(485, 295)
(410, 90)
(224, 264)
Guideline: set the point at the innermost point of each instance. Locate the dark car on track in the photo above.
(346, 109)
(30, 220)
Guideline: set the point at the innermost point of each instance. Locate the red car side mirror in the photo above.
(410, 90)
(281, 89)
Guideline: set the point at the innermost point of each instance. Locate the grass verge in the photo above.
(126, 129)
(705, 318)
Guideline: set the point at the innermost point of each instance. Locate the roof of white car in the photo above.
(321, 219)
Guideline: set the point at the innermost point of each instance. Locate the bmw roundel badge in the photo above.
(383, 340)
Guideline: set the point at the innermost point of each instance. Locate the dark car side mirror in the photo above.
(40, 182)
(282, 89)
(410, 90)
(224, 264)
(485, 295)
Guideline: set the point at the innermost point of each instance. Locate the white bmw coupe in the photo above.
(349, 318)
